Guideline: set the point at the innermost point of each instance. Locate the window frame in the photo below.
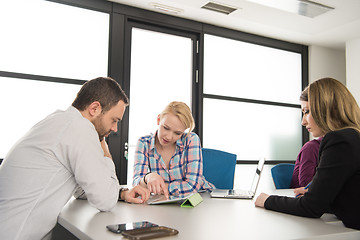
(261, 41)
(94, 5)
(118, 61)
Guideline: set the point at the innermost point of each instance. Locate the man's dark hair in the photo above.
(102, 89)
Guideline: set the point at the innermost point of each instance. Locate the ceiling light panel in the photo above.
(219, 7)
(302, 7)
(165, 8)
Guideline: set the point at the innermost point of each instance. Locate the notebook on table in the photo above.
(240, 193)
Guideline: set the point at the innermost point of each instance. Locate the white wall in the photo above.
(353, 68)
(327, 62)
(343, 65)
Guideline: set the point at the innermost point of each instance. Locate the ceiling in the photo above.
(331, 29)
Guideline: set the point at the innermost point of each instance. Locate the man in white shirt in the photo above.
(61, 153)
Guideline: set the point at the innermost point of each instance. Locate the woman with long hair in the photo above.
(307, 159)
(335, 114)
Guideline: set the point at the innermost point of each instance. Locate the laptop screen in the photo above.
(256, 178)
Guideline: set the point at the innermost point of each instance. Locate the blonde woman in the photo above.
(335, 186)
(169, 162)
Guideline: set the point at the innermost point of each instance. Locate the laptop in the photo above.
(239, 193)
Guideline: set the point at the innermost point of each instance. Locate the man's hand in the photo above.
(156, 184)
(132, 195)
(260, 200)
(105, 148)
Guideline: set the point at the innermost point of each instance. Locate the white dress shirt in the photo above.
(42, 170)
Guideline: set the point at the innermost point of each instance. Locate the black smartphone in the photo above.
(118, 228)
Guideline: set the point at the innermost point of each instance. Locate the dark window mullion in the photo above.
(246, 100)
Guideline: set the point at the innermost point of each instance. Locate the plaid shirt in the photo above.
(185, 173)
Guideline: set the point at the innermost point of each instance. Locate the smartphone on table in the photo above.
(118, 228)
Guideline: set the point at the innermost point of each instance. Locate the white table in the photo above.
(211, 219)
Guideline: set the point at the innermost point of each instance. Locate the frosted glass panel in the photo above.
(45, 38)
(161, 72)
(252, 130)
(244, 70)
(28, 102)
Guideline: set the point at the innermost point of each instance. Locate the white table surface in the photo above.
(211, 219)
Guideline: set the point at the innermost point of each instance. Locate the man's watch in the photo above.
(121, 190)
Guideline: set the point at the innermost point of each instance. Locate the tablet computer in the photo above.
(161, 199)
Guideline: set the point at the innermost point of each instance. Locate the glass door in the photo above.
(162, 70)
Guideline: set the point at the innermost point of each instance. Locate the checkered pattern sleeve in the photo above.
(141, 162)
(188, 171)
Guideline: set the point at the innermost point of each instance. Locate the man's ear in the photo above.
(94, 109)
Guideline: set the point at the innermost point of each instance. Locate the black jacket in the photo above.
(336, 185)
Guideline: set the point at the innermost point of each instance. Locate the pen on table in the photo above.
(306, 187)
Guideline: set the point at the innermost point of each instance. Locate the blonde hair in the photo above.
(332, 106)
(182, 111)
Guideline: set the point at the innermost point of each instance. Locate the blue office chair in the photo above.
(219, 167)
(282, 174)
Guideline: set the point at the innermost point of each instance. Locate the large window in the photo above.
(252, 130)
(251, 105)
(25, 108)
(51, 39)
(47, 52)
(243, 93)
(244, 70)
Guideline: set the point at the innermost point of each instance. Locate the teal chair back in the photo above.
(282, 174)
(219, 167)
